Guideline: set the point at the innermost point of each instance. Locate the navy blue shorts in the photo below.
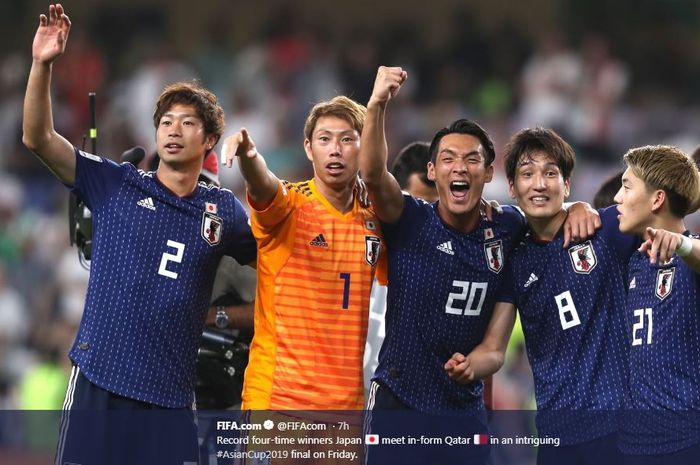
(688, 456)
(600, 451)
(101, 428)
(424, 439)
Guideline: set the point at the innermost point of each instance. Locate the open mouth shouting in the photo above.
(459, 189)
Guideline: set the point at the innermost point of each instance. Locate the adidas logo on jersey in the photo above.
(633, 283)
(319, 241)
(146, 203)
(533, 277)
(446, 247)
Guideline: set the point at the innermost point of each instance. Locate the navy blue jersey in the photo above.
(442, 288)
(663, 332)
(571, 303)
(154, 258)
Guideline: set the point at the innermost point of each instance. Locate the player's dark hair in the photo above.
(411, 159)
(607, 191)
(529, 141)
(465, 126)
(203, 100)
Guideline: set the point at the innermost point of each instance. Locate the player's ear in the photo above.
(307, 149)
(567, 188)
(658, 199)
(511, 191)
(210, 141)
(431, 171)
(489, 173)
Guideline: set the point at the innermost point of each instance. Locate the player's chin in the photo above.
(627, 227)
(461, 208)
(539, 213)
(338, 182)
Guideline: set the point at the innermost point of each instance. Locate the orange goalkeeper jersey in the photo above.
(315, 272)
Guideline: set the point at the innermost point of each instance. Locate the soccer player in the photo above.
(445, 266)
(158, 238)
(410, 168)
(318, 252)
(659, 187)
(570, 302)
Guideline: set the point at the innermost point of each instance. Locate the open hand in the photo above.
(51, 36)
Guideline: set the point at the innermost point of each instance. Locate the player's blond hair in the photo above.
(670, 169)
(341, 107)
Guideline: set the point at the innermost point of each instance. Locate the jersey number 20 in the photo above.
(473, 293)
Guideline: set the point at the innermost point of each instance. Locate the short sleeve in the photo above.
(97, 178)
(624, 245)
(241, 244)
(414, 212)
(506, 292)
(513, 221)
(280, 208)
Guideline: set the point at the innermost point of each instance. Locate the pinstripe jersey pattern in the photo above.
(153, 264)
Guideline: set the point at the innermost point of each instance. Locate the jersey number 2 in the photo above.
(169, 257)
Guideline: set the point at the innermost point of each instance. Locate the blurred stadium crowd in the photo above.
(629, 81)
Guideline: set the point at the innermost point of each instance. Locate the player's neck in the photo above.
(669, 223)
(341, 198)
(180, 182)
(464, 223)
(546, 229)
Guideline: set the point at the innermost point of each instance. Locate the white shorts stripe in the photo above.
(367, 427)
(65, 415)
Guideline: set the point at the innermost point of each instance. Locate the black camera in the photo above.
(221, 363)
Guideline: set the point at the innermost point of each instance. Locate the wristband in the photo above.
(684, 247)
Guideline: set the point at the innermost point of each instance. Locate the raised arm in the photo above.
(487, 357)
(260, 182)
(383, 188)
(39, 134)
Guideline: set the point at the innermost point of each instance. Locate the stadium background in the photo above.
(608, 75)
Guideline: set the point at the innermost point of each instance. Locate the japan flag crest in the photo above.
(664, 282)
(372, 247)
(583, 258)
(494, 255)
(212, 228)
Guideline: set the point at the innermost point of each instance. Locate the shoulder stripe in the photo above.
(299, 187)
